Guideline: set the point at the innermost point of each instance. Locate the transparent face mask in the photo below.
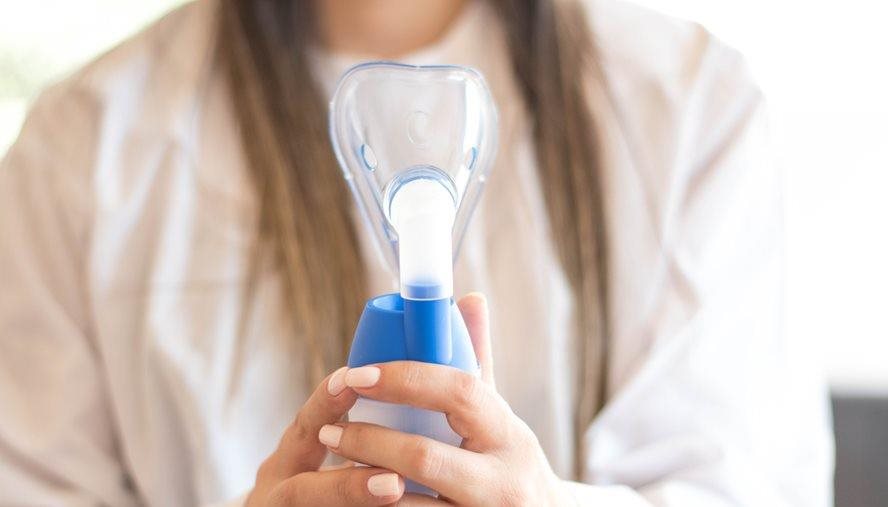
(394, 125)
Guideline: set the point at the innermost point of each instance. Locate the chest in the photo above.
(204, 362)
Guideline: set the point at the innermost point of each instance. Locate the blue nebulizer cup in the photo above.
(415, 144)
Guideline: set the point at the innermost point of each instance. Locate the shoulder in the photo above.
(645, 51)
(109, 120)
(677, 95)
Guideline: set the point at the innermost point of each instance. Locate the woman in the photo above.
(181, 271)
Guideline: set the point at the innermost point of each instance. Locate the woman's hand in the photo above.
(291, 475)
(500, 461)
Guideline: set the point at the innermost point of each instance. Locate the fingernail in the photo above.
(365, 376)
(330, 435)
(337, 381)
(387, 484)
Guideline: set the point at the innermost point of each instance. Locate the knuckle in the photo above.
(356, 437)
(286, 492)
(355, 488)
(340, 490)
(348, 491)
(299, 431)
(516, 434)
(470, 392)
(426, 461)
(298, 439)
(351, 433)
(413, 377)
(521, 432)
(268, 468)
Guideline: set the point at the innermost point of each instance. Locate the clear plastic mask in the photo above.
(392, 123)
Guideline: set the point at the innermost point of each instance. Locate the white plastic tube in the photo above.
(422, 212)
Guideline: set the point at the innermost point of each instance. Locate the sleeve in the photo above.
(58, 441)
(57, 444)
(723, 409)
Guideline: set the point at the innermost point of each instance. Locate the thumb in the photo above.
(473, 307)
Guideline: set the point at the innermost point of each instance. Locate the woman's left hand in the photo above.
(500, 461)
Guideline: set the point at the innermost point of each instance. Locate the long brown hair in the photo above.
(283, 122)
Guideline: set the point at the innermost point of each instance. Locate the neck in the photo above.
(384, 28)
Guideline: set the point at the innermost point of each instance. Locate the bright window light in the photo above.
(823, 67)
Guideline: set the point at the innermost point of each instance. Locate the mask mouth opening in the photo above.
(412, 174)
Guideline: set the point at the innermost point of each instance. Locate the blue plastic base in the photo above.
(392, 329)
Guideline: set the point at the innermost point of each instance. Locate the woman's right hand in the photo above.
(291, 476)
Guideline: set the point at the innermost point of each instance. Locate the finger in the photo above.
(453, 472)
(299, 449)
(414, 500)
(473, 409)
(357, 486)
(473, 307)
(338, 466)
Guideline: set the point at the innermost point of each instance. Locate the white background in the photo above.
(823, 65)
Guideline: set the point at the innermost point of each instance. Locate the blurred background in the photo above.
(824, 68)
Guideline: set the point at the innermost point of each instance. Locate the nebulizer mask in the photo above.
(415, 144)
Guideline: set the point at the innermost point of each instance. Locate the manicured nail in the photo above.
(337, 381)
(330, 435)
(365, 376)
(387, 484)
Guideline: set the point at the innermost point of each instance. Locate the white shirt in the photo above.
(135, 368)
